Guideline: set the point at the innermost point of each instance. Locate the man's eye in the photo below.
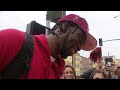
(80, 39)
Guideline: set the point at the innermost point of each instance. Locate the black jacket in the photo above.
(87, 74)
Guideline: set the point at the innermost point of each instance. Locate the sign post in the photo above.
(53, 16)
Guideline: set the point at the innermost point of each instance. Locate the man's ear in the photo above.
(65, 27)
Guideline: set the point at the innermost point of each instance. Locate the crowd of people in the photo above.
(109, 70)
(104, 72)
(99, 72)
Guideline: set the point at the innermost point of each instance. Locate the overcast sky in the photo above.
(102, 24)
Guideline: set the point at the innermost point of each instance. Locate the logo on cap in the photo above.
(75, 18)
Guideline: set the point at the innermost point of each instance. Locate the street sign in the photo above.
(35, 28)
(53, 16)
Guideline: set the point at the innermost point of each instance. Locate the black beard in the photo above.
(63, 53)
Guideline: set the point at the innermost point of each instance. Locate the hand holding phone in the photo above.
(111, 67)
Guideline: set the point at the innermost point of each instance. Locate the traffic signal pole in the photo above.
(101, 41)
(111, 40)
(47, 25)
(53, 16)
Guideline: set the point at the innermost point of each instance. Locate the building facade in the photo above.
(79, 63)
(86, 64)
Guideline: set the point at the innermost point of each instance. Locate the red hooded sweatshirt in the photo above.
(11, 41)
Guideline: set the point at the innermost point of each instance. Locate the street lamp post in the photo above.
(116, 16)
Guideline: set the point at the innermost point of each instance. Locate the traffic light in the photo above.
(53, 16)
(100, 42)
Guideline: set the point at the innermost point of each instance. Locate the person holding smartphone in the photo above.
(113, 70)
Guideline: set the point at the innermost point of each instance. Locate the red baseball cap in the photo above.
(91, 42)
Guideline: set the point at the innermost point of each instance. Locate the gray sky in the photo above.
(102, 24)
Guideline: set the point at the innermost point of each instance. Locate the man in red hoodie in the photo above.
(69, 35)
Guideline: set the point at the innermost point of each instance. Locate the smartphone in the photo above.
(108, 63)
